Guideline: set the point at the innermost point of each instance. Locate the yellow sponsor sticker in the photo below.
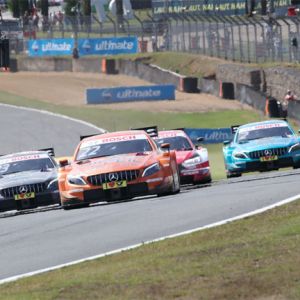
(114, 185)
(269, 158)
(24, 196)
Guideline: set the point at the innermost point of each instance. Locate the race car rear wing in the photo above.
(89, 135)
(49, 150)
(150, 130)
(234, 128)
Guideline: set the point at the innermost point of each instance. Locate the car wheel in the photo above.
(68, 207)
(175, 188)
(205, 180)
(233, 174)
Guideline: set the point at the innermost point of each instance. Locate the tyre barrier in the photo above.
(273, 108)
(108, 66)
(189, 85)
(226, 90)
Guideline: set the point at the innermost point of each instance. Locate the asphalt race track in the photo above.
(23, 129)
(48, 237)
(43, 239)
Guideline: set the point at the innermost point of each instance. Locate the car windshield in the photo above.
(115, 148)
(178, 143)
(248, 135)
(42, 164)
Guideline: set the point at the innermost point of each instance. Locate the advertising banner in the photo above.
(128, 94)
(215, 7)
(101, 46)
(50, 47)
(205, 7)
(210, 135)
(108, 46)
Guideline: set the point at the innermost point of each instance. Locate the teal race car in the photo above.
(261, 146)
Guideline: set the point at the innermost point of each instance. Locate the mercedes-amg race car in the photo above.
(261, 146)
(116, 166)
(28, 180)
(192, 160)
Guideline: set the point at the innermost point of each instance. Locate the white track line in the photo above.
(54, 115)
(255, 212)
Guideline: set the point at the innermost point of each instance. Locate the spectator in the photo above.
(35, 20)
(60, 19)
(294, 43)
(285, 103)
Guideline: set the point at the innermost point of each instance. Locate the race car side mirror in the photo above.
(165, 146)
(226, 142)
(63, 163)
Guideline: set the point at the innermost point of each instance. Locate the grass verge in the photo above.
(255, 258)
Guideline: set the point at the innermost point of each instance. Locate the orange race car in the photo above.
(115, 166)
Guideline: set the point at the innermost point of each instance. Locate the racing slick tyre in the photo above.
(206, 180)
(232, 175)
(175, 188)
(68, 207)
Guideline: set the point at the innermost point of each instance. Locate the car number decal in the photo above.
(114, 185)
(269, 158)
(24, 196)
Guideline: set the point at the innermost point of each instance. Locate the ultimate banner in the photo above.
(214, 7)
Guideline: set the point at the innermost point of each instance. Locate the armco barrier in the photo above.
(128, 94)
(45, 64)
(210, 135)
(157, 75)
(91, 65)
(248, 95)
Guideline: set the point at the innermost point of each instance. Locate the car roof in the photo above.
(115, 134)
(264, 123)
(23, 154)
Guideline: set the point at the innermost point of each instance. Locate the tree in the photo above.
(86, 7)
(13, 6)
(71, 7)
(44, 7)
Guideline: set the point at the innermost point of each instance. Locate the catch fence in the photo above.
(245, 39)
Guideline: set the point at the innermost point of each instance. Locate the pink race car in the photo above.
(192, 160)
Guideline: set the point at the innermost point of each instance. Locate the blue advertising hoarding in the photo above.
(108, 46)
(101, 46)
(50, 47)
(128, 94)
(210, 135)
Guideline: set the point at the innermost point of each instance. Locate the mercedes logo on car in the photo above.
(113, 177)
(23, 189)
(268, 152)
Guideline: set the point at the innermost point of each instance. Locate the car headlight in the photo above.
(151, 170)
(192, 162)
(295, 147)
(76, 180)
(53, 185)
(239, 155)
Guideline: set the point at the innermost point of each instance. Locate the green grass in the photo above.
(255, 258)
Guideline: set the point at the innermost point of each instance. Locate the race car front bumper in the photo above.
(251, 166)
(40, 199)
